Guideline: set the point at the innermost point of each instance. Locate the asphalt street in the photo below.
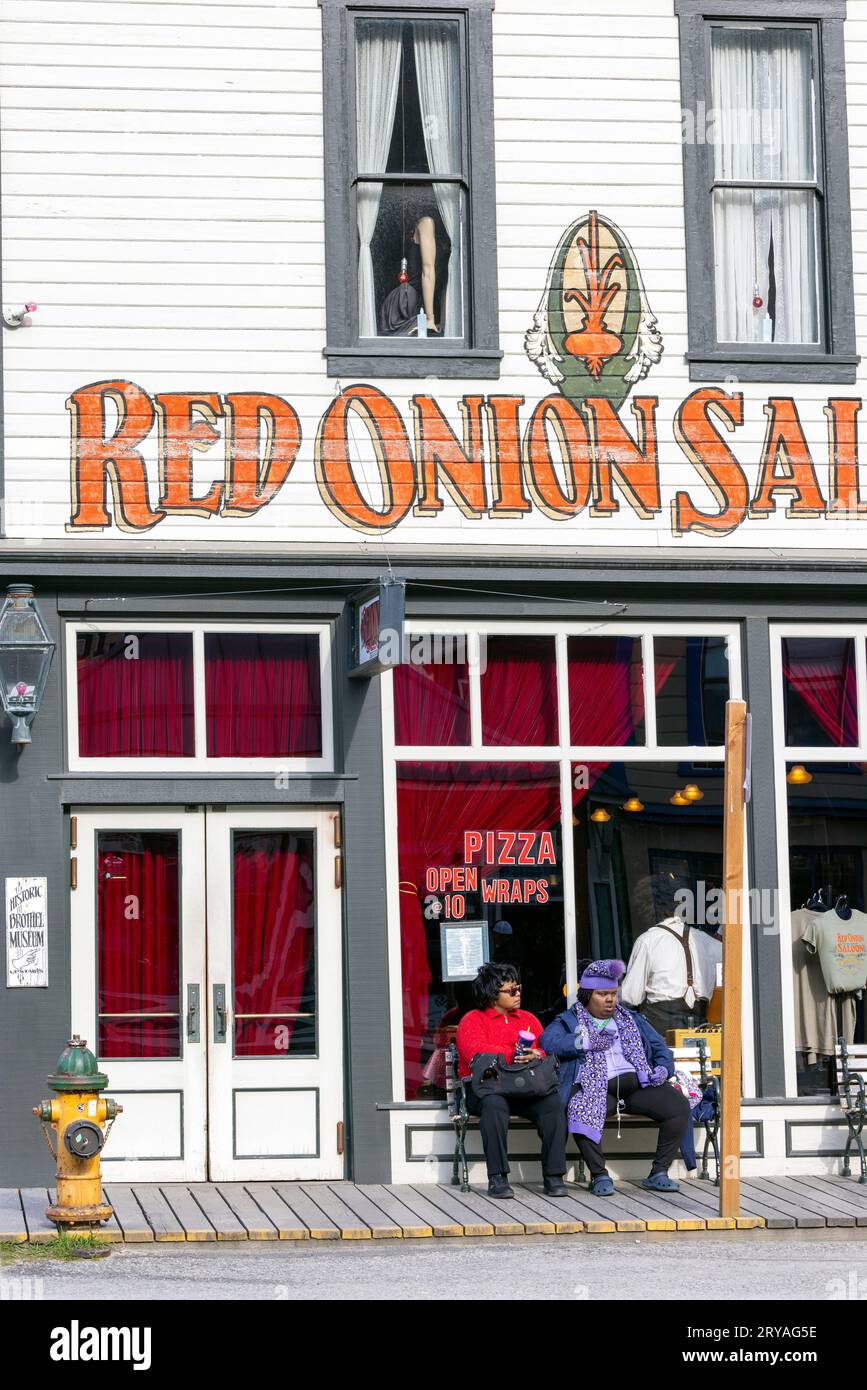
(749, 1266)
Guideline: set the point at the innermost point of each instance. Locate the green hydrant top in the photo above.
(77, 1070)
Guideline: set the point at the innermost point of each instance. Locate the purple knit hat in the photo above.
(602, 974)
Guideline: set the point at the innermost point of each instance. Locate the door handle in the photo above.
(193, 1034)
(221, 1014)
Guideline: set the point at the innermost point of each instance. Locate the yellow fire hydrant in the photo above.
(77, 1118)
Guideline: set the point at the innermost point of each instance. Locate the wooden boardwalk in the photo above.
(346, 1211)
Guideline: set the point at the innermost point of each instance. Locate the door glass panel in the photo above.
(274, 943)
(138, 925)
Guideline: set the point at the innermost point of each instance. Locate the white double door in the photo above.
(207, 977)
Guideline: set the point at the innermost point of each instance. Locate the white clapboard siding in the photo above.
(163, 168)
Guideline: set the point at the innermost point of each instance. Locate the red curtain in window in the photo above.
(135, 695)
(263, 697)
(519, 693)
(138, 945)
(606, 690)
(273, 917)
(431, 705)
(827, 688)
(436, 803)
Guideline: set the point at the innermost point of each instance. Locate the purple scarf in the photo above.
(586, 1111)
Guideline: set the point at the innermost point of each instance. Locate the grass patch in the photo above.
(61, 1247)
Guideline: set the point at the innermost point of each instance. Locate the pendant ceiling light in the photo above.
(798, 775)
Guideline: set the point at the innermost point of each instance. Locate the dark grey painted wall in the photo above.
(34, 1023)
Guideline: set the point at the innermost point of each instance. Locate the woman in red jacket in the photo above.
(493, 1026)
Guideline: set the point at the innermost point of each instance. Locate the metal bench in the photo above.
(694, 1060)
(851, 1068)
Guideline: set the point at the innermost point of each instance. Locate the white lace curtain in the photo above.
(762, 83)
(439, 89)
(377, 72)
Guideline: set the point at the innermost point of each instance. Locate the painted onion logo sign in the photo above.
(594, 333)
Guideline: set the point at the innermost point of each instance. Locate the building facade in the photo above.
(546, 321)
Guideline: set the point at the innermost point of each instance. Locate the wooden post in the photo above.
(733, 877)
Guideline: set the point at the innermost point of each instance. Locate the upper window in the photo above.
(408, 110)
(144, 698)
(767, 191)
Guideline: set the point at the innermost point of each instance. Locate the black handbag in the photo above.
(492, 1075)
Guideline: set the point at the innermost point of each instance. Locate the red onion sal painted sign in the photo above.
(570, 456)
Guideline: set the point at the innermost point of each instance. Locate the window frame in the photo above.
(565, 754)
(784, 755)
(834, 358)
(200, 762)
(346, 353)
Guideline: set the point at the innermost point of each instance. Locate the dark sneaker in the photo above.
(555, 1187)
(498, 1186)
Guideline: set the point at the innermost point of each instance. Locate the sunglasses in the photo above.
(511, 989)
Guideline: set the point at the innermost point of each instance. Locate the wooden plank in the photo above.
(440, 1223)
(128, 1213)
(775, 1216)
(855, 1191)
(551, 1210)
(307, 1213)
(394, 1209)
(835, 1199)
(623, 1212)
(680, 1217)
(508, 1218)
(196, 1226)
(287, 1224)
(349, 1225)
(443, 1198)
(817, 1205)
(34, 1200)
(248, 1212)
(840, 1188)
(160, 1217)
(765, 1191)
(381, 1228)
(580, 1205)
(756, 1197)
(706, 1197)
(13, 1227)
(732, 934)
(217, 1210)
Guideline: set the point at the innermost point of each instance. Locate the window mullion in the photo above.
(199, 701)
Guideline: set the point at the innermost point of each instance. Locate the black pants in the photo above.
(673, 1013)
(548, 1116)
(663, 1103)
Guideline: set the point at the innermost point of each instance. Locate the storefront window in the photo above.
(648, 845)
(827, 822)
(482, 868)
(606, 690)
(821, 708)
(135, 695)
(432, 704)
(519, 692)
(479, 849)
(692, 686)
(262, 695)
